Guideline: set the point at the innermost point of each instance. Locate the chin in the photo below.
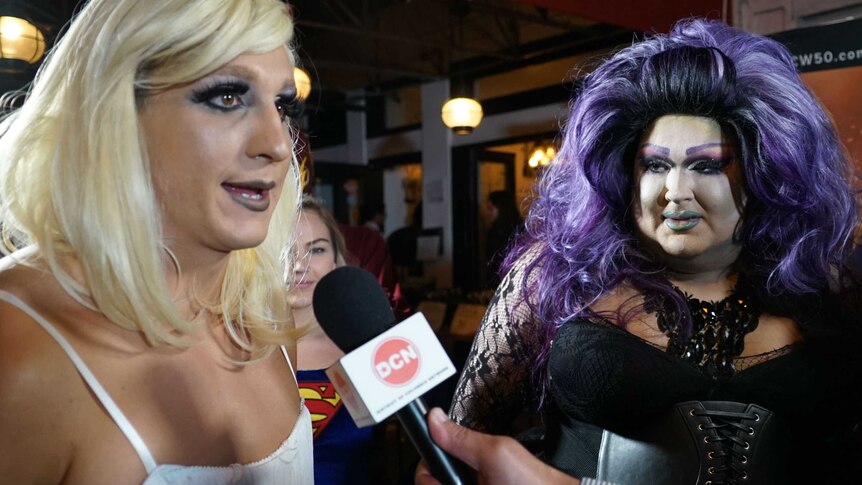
(680, 244)
(246, 237)
(299, 302)
(248, 243)
(681, 251)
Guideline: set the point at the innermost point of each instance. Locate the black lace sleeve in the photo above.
(493, 388)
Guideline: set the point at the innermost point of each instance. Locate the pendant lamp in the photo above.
(462, 115)
(20, 40)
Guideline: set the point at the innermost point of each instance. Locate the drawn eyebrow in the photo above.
(662, 150)
(698, 148)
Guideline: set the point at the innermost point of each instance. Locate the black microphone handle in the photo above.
(442, 466)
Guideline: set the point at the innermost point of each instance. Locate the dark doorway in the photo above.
(475, 174)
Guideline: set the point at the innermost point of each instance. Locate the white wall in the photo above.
(436, 146)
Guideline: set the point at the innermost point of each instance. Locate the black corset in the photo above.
(700, 443)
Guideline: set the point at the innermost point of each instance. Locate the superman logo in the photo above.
(322, 402)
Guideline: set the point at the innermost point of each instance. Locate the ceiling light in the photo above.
(539, 155)
(21, 40)
(462, 115)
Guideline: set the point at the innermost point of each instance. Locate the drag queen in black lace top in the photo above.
(685, 246)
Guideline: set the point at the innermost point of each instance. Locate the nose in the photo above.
(302, 261)
(678, 185)
(270, 138)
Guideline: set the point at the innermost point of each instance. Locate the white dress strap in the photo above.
(108, 403)
(289, 365)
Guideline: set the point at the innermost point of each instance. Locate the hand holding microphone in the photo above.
(498, 460)
(386, 368)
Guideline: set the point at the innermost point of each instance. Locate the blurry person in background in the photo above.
(373, 215)
(341, 450)
(402, 245)
(367, 249)
(504, 223)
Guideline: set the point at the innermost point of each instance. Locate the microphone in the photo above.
(385, 368)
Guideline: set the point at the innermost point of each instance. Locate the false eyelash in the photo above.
(208, 93)
(651, 161)
(291, 107)
(714, 164)
(645, 161)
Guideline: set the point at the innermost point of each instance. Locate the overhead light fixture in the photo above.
(541, 155)
(462, 115)
(20, 40)
(303, 83)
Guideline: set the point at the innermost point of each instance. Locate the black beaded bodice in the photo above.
(718, 329)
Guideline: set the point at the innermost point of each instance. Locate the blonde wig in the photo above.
(76, 178)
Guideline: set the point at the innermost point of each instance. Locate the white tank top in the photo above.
(291, 463)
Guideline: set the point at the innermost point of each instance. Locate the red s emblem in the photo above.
(322, 402)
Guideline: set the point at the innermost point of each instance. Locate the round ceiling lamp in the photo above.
(303, 83)
(462, 115)
(20, 40)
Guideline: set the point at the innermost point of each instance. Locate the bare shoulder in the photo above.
(623, 305)
(38, 386)
(617, 302)
(772, 333)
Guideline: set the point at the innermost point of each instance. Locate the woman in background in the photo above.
(149, 186)
(341, 450)
(682, 270)
(505, 223)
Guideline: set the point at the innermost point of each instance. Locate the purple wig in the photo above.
(800, 212)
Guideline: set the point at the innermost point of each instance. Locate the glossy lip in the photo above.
(681, 220)
(301, 285)
(253, 194)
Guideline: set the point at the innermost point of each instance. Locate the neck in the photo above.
(198, 280)
(304, 316)
(314, 350)
(708, 276)
(315, 332)
(708, 285)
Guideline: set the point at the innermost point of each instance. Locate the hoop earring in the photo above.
(174, 260)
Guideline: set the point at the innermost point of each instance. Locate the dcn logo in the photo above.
(396, 361)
